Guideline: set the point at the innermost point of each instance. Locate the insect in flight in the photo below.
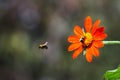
(43, 46)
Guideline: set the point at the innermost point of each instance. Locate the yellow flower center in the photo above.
(87, 39)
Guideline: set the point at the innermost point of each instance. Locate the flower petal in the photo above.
(88, 23)
(74, 46)
(100, 36)
(95, 51)
(98, 44)
(98, 31)
(95, 25)
(77, 52)
(73, 39)
(89, 52)
(78, 31)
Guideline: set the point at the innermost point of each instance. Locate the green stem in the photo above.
(111, 42)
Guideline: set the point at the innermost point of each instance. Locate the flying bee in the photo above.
(43, 46)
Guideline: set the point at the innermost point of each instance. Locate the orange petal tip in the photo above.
(89, 60)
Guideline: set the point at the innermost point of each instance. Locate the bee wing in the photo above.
(45, 43)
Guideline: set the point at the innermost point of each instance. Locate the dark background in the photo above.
(24, 24)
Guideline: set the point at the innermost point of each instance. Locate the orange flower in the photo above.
(90, 39)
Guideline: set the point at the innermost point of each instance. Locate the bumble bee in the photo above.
(43, 46)
(82, 39)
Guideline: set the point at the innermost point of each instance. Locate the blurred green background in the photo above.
(24, 24)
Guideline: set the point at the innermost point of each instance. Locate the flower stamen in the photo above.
(86, 39)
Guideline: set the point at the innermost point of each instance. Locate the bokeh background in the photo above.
(24, 24)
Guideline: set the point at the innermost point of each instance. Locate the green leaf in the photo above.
(112, 74)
